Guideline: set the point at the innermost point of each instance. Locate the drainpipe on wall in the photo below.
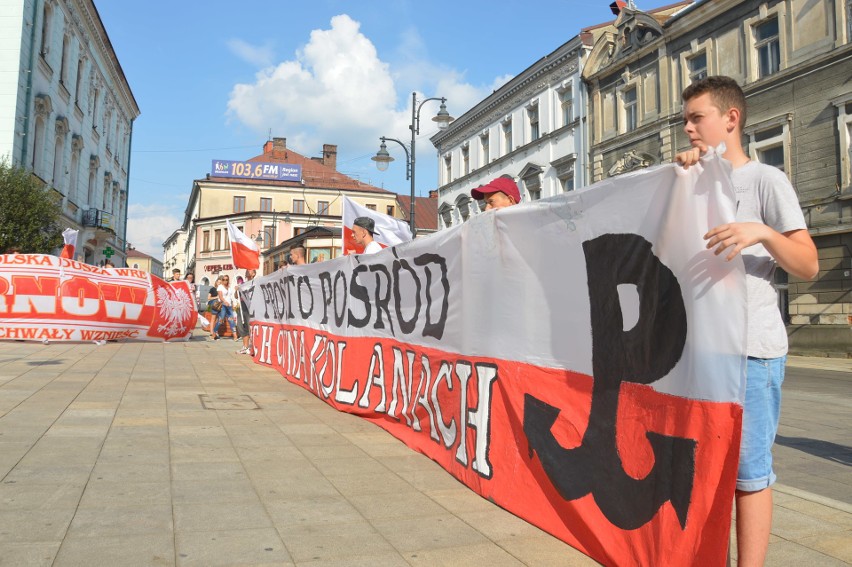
(29, 87)
(127, 185)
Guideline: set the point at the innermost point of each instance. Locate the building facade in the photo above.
(138, 260)
(66, 114)
(794, 61)
(272, 211)
(174, 252)
(532, 128)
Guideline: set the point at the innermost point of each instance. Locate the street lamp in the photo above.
(383, 158)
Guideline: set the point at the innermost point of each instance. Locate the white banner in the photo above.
(584, 344)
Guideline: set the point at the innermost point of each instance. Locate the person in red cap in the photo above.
(499, 193)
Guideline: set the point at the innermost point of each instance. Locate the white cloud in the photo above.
(149, 225)
(259, 56)
(338, 90)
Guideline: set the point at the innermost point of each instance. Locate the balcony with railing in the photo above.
(99, 219)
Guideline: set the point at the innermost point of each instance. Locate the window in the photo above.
(448, 169)
(299, 206)
(484, 142)
(532, 113)
(38, 141)
(239, 204)
(768, 47)
(226, 244)
(58, 159)
(564, 167)
(463, 206)
(266, 204)
(79, 81)
(773, 156)
(45, 30)
(90, 195)
(531, 177)
(466, 160)
(63, 65)
(390, 210)
(95, 110)
(217, 239)
(205, 246)
(75, 172)
(322, 207)
(445, 211)
(507, 135)
(630, 110)
(768, 141)
(371, 206)
(268, 236)
(566, 99)
(697, 67)
(844, 130)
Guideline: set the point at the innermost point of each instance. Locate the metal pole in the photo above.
(414, 128)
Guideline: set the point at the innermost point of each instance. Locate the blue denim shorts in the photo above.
(761, 411)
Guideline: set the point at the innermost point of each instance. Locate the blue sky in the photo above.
(213, 78)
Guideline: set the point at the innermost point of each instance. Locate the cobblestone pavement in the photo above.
(189, 454)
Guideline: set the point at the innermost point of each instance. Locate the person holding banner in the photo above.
(362, 231)
(769, 230)
(243, 316)
(498, 193)
(297, 256)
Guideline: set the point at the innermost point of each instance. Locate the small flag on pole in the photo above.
(244, 251)
(70, 236)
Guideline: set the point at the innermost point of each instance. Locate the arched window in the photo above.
(46, 23)
(58, 179)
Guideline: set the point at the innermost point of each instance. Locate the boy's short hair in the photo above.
(724, 91)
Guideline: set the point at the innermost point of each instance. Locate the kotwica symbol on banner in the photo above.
(641, 355)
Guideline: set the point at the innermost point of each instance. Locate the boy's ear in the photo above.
(733, 116)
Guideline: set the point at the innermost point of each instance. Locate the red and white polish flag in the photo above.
(70, 236)
(244, 251)
(389, 231)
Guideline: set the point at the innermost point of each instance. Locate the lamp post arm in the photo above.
(407, 155)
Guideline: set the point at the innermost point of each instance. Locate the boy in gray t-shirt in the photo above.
(769, 230)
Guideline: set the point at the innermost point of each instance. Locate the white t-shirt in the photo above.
(225, 295)
(765, 195)
(372, 248)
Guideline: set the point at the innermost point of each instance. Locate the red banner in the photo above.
(486, 421)
(45, 298)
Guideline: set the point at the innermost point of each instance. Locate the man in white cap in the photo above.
(362, 232)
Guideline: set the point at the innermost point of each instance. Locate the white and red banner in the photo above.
(578, 360)
(69, 235)
(46, 298)
(389, 231)
(244, 250)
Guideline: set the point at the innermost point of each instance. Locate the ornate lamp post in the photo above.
(383, 158)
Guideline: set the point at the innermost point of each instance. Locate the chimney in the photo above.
(279, 144)
(433, 193)
(616, 6)
(329, 155)
(267, 147)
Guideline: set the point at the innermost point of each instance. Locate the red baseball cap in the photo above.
(502, 184)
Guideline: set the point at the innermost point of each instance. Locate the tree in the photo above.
(29, 212)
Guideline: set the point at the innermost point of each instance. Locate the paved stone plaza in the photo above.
(189, 454)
